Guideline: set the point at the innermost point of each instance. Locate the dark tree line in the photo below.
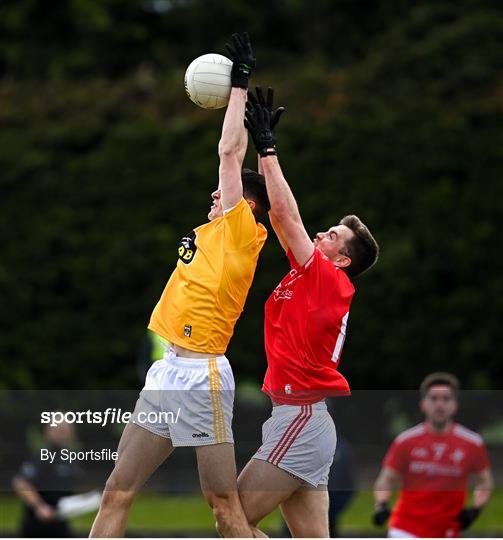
(393, 113)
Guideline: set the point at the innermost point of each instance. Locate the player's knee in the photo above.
(115, 496)
(117, 499)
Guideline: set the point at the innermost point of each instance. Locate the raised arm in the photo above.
(234, 139)
(278, 231)
(285, 212)
(285, 217)
(232, 149)
(275, 224)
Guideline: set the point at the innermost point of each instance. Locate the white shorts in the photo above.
(301, 440)
(188, 400)
(393, 532)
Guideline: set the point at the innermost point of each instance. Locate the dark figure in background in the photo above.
(341, 485)
(41, 484)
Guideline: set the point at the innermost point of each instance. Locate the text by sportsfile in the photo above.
(64, 454)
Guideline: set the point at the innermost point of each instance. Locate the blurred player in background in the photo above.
(341, 485)
(433, 461)
(196, 314)
(305, 326)
(42, 484)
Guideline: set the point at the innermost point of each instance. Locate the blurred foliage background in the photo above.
(394, 112)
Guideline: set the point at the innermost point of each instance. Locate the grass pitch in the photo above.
(164, 514)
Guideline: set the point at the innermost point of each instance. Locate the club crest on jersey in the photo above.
(187, 248)
(457, 456)
(187, 330)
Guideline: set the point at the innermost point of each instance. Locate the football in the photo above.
(208, 81)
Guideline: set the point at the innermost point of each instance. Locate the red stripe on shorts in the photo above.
(294, 435)
(293, 424)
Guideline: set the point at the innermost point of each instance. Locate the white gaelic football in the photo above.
(208, 81)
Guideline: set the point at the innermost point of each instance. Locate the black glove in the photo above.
(243, 60)
(268, 103)
(467, 516)
(381, 514)
(260, 121)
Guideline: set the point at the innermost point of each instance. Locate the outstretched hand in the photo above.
(268, 104)
(261, 119)
(243, 61)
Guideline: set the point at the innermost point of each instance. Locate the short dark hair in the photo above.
(362, 249)
(254, 188)
(439, 377)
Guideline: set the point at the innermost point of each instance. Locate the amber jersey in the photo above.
(206, 292)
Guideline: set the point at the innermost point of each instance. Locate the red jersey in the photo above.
(305, 327)
(434, 468)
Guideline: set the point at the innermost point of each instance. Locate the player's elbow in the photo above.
(486, 485)
(279, 211)
(227, 149)
(283, 214)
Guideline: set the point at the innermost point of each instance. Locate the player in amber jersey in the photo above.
(195, 316)
(433, 461)
(305, 326)
(205, 295)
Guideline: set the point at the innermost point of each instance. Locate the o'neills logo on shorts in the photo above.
(199, 435)
(187, 330)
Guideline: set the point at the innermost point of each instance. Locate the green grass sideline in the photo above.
(153, 512)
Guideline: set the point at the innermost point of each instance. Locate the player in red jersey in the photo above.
(305, 326)
(434, 461)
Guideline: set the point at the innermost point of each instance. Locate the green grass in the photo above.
(150, 512)
(157, 513)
